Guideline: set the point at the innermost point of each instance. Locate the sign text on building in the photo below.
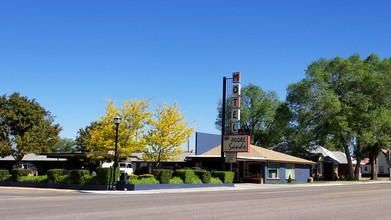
(236, 143)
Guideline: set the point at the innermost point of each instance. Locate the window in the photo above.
(290, 171)
(381, 169)
(366, 169)
(272, 171)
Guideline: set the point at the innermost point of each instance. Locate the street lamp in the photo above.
(116, 120)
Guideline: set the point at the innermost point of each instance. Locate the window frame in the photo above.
(293, 172)
(276, 168)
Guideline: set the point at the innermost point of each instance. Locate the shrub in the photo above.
(145, 180)
(163, 175)
(148, 180)
(4, 175)
(204, 175)
(132, 176)
(54, 175)
(104, 175)
(146, 176)
(76, 175)
(188, 176)
(133, 181)
(289, 179)
(33, 179)
(176, 180)
(224, 176)
(215, 180)
(89, 180)
(17, 173)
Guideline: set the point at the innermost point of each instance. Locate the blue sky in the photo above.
(71, 56)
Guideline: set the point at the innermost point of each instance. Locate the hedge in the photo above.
(17, 173)
(224, 176)
(215, 180)
(188, 176)
(176, 180)
(163, 175)
(105, 175)
(4, 174)
(204, 175)
(145, 180)
(33, 179)
(57, 175)
(76, 175)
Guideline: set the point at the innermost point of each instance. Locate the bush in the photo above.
(148, 180)
(17, 173)
(289, 179)
(4, 175)
(204, 175)
(224, 176)
(188, 176)
(76, 175)
(89, 180)
(104, 175)
(176, 180)
(146, 176)
(145, 180)
(54, 175)
(33, 179)
(133, 181)
(163, 175)
(132, 176)
(215, 180)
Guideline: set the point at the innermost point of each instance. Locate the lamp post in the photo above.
(116, 120)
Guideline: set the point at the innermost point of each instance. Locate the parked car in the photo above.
(124, 167)
(33, 170)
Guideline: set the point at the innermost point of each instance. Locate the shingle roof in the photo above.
(263, 154)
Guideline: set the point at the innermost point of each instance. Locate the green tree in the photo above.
(336, 105)
(83, 135)
(64, 145)
(261, 112)
(25, 127)
(169, 130)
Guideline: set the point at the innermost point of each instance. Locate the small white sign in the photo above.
(231, 157)
(236, 143)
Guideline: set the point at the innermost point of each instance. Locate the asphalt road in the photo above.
(348, 201)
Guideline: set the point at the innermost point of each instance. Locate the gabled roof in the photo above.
(260, 154)
(325, 153)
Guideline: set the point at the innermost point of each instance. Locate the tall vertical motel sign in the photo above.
(233, 140)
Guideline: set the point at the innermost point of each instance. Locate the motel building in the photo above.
(258, 165)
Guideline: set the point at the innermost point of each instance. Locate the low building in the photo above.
(383, 166)
(258, 165)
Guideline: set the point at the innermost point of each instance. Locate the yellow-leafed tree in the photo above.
(131, 131)
(168, 131)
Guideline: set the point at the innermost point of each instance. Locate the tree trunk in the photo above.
(357, 168)
(373, 160)
(358, 161)
(350, 164)
(18, 159)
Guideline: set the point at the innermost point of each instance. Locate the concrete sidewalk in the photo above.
(238, 186)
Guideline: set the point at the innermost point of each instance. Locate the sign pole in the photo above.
(223, 114)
